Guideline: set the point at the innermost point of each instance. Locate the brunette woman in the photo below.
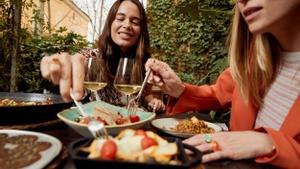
(125, 34)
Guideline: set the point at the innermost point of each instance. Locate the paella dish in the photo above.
(12, 102)
(193, 126)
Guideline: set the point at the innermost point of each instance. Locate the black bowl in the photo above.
(17, 115)
(82, 162)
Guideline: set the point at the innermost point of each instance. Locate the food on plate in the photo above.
(135, 146)
(11, 102)
(108, 117)
(193, 126)
(20, 151)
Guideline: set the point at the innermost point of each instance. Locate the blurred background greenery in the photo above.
(190, 35)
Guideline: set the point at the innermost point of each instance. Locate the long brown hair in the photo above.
(254, 59)
(111, 52)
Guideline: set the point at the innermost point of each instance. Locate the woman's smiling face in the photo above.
(126, 27)
(265, 15)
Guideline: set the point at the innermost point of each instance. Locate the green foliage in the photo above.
(32, 48)
(35, 47)
(190, 36)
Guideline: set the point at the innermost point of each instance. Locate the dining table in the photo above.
(67, 135)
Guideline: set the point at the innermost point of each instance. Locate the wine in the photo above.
(94, 86)
(128, 89)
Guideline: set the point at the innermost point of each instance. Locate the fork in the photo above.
(134, 102)
(96, 128)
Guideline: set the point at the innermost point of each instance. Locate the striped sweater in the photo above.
(282, 93)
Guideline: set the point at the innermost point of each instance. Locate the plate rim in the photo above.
(46, 157)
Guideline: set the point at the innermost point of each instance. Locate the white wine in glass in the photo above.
(128, 89)
(94, 86)
(94, 79)
(127, 81)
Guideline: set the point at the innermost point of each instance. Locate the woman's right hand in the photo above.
(164, 77)
(67, 71)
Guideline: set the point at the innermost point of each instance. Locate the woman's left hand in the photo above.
(232, 145)
(156, 105)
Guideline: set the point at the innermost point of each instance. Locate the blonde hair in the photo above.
(254, 59)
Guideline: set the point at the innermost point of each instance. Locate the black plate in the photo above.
(12, 115)
(82, 162)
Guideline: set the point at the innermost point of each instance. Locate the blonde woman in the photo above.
(262, 87)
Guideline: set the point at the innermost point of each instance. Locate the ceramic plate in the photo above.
(46, 156)
(167, 124)
(69, 117)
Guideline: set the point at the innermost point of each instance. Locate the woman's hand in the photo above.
(233, 145)
(164, 77)
(157, 105)
(66, 71)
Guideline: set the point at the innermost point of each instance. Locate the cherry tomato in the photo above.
(140, 132)
(148, 142)
(134, 118)
(108, 150)
(101, 120)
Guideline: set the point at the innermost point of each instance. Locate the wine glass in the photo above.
(127, 80)
(95, 78)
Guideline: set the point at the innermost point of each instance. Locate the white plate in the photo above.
(168, 124)
(47, 155)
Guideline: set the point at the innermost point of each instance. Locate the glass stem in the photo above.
(127, 100)
(96, 95)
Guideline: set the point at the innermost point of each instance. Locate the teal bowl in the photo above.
(69, 117)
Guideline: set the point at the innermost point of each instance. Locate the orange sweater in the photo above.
(225, 94)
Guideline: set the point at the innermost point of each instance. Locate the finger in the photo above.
(159, 105)
(195, 140)
(161, 68)
(150, 78)
(45, 62)
(66, 78)
(148, 64)
(55, 69)
(213, 156)
(157, 79)
(78, 75)
(163, 107)
(155, 106)
(204, 148)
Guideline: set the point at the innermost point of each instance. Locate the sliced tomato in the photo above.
(108, 150)
(148, 142)
(140, 132)
(134, 118)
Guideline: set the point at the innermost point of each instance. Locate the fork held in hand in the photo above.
(134, 102)
(97, 128)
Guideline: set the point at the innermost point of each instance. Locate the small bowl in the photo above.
(69, 117)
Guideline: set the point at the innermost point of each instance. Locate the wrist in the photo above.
(179, 90)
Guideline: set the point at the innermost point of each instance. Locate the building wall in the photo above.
(63, 13)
